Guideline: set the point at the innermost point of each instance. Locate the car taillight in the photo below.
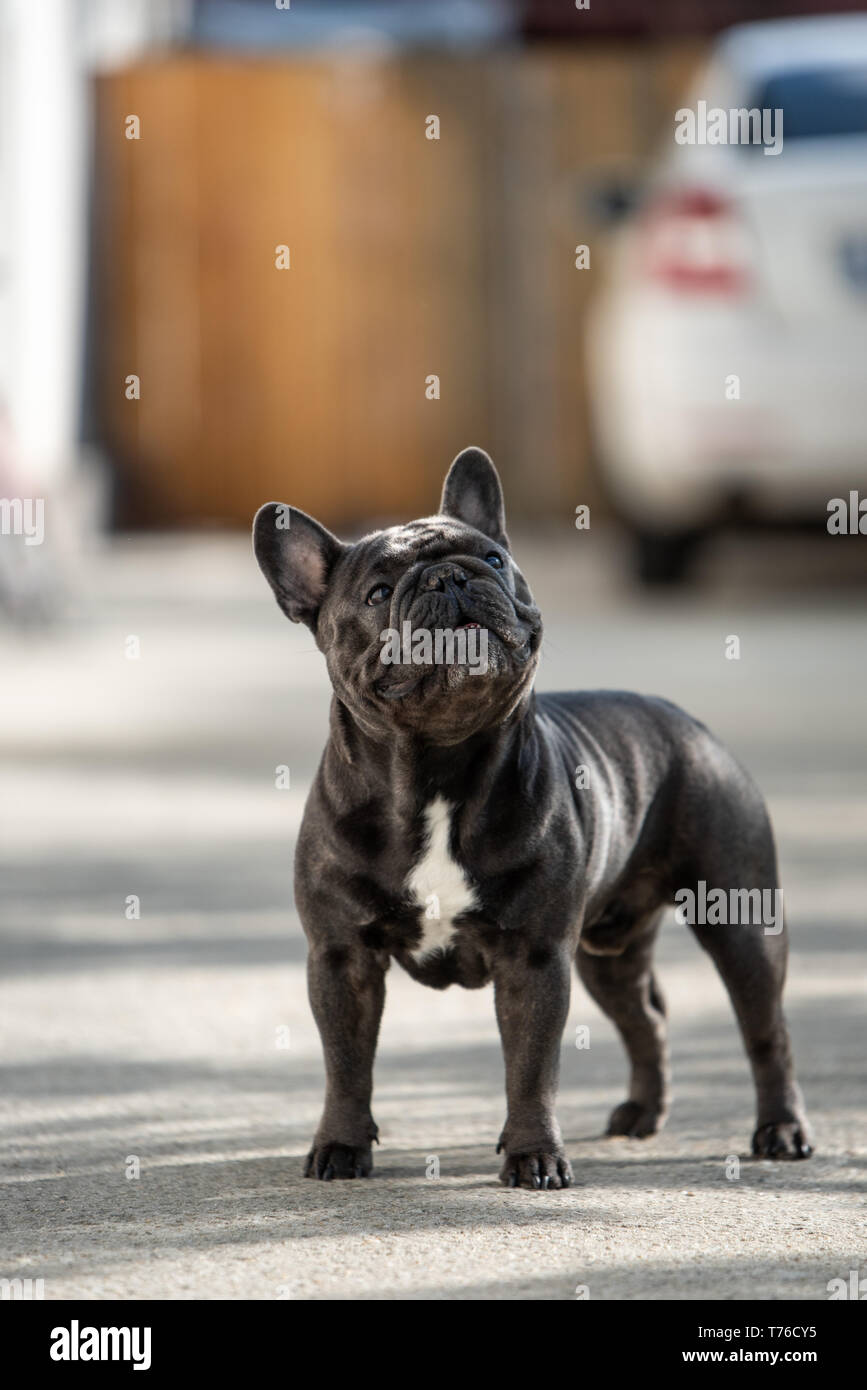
(694, 241)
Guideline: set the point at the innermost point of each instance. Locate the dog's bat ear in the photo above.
(296, 556)
(472, 493)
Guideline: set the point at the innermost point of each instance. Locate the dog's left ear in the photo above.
(473, 494)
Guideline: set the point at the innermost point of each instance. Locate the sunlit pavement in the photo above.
(163, 1037)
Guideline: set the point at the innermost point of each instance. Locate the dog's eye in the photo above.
(494, 560)
(379, 594)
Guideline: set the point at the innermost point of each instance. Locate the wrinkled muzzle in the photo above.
(451, 622)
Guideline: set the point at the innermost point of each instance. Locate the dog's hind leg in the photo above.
(749, 948)
(625, 988)
(752, 964)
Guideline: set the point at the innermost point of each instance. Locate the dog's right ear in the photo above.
(296, 556)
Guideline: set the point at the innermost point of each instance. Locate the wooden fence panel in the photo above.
(409, 258)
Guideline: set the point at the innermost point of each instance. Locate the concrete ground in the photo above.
(182, 1038)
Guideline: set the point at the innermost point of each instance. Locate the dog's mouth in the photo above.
(504, 652)
(460, 632)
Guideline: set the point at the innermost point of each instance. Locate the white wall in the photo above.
(47, 48)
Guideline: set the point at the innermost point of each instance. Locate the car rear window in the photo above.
(817, 102)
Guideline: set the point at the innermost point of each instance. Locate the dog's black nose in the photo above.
(437, 576)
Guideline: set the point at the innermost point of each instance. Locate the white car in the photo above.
(727, 353)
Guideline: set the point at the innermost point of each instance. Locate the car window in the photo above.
(817, 102)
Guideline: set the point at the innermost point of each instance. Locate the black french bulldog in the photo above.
(446, 828)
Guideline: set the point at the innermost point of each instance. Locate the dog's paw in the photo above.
(784, 1139)
(542, 1171)
(333, 1160)
(635, 1120)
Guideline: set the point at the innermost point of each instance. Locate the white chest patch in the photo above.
(437, 884)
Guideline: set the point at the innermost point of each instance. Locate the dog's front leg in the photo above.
(531, 990)
(347, 993)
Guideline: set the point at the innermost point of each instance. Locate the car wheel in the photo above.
(664, 557)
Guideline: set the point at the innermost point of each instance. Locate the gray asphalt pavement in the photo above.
(178, 1043)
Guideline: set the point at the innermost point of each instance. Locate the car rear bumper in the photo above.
(697, 408)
